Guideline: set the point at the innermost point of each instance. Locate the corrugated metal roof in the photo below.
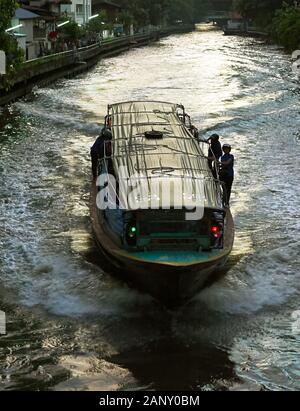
(176, 157)
(23, 14)
(105, 2)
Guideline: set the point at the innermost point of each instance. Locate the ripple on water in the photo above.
(73, 326)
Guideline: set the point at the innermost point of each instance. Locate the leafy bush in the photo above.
(9, 44)
(14, 59)
(280, 18)
(286, 27)
(96, 26)
(158, 12)
(71, 31)
(7, 10)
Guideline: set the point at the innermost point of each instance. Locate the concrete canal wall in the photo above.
(45, 70)
(249, 33)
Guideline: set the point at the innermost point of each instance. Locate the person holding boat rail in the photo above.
(97, 150)
(214, 152)
(227, 172)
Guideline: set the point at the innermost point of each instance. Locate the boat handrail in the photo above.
(174, 152)
(155, 111)
(165, 171)
(219, 184)
(110, 106)
(143, 151)
(169, 135)
(180, 123)
(149, 150)
(176, 176)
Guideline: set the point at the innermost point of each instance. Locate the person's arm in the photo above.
(227, 162)
(219, 154)
(96, 148)
(210, 155)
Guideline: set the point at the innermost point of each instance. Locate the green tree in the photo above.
(7, 11)
(286, 27)
(71, 31)
(9, 44)
(126, 18)
(247, 8)
(261, 12)
(98, 24)
(183, 10)
(280, 18)
(159, 12)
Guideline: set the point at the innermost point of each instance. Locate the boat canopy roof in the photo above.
(151, 140)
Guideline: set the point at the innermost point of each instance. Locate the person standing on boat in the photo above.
(214, 151)
(227, 172)
(97, 150)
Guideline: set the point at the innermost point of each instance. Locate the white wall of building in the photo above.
(21, 39)
(2, 71)
(80, 10)
(27, 29)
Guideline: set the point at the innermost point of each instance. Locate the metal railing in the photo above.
(61, 54)
(98, 44)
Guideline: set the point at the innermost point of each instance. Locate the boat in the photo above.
(168, 249)
(207, 26)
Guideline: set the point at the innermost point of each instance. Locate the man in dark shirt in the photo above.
(97, 150)
(214, 151)
(227, 172)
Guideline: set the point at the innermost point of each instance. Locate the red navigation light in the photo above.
(216, 230)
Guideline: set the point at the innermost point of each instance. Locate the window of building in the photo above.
(79, 8)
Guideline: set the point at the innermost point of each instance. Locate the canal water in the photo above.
(70, 324)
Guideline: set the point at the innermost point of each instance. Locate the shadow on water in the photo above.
(166, 362)
(171, 365)
(60, 353)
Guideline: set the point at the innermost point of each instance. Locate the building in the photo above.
(47, 7)
(38, 18)
(37, 30)
(49, 12)
(78, 10)
(82, 10)
(111, 9)
(25, 33)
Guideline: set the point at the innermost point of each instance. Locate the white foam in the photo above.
(267, 278)
(65, 288)
(70, 120)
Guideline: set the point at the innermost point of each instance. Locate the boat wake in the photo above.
(265, 278)
(69, 118)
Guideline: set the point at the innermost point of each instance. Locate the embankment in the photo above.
(45, 70)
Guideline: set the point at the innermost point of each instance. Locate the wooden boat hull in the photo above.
(171, 282)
